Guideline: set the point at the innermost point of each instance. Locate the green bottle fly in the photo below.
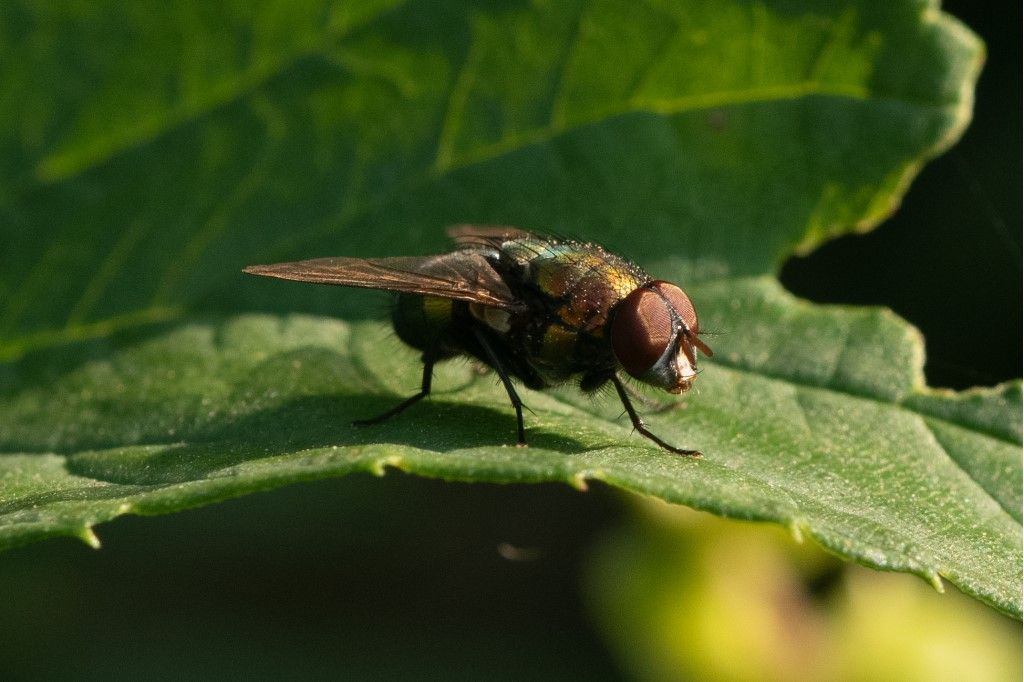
(539, 310)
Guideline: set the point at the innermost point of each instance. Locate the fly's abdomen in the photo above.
(423, 322)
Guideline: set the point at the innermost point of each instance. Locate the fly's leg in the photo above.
(506, 381)
(638, 423)
(428, 375)
(592, 382)
(652, 405)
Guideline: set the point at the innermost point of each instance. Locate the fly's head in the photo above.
(654, 336)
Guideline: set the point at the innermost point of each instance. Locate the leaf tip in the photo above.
(579, 479)
(379, 467)
(86, 535)
(796, 531)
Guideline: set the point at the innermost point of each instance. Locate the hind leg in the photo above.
(428, 375)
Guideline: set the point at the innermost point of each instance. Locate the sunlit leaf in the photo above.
(149, 157)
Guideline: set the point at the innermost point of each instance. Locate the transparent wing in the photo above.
(486, 235)
(462, 275)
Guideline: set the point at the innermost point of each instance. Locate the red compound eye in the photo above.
(681, 302)
(642, 330)
(683, 306)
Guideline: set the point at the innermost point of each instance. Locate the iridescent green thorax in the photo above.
(585, 280)
(568, 292)
(572, 287)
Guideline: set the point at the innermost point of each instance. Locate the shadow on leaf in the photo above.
(305, 424)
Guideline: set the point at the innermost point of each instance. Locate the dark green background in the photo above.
(411, 583)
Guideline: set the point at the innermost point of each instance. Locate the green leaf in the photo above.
(728, 134)
(708, 140)
(792, 435)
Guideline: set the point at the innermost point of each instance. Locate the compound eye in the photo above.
(642, 331)
(681, 302)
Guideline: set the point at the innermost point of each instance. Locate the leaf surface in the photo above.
(707, 140)
(718, 135)
(213, 411)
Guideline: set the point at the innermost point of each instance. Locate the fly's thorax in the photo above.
(581, 282)
(421, 321)
(654, 335)
(557, 352)
(569, 289)
(557, 344)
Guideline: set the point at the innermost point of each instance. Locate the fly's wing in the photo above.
(486, 235)
(463, 276)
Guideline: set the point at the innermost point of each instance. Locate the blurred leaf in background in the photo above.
(684, 596)
(147, 153)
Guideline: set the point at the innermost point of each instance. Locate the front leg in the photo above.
(593, 382)
(639, 425)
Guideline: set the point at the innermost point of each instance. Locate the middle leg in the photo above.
(505, 380)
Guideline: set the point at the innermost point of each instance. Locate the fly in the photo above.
(535, 309)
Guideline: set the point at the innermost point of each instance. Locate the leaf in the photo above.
(212, 411)
(728, 134)
(708, 140)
